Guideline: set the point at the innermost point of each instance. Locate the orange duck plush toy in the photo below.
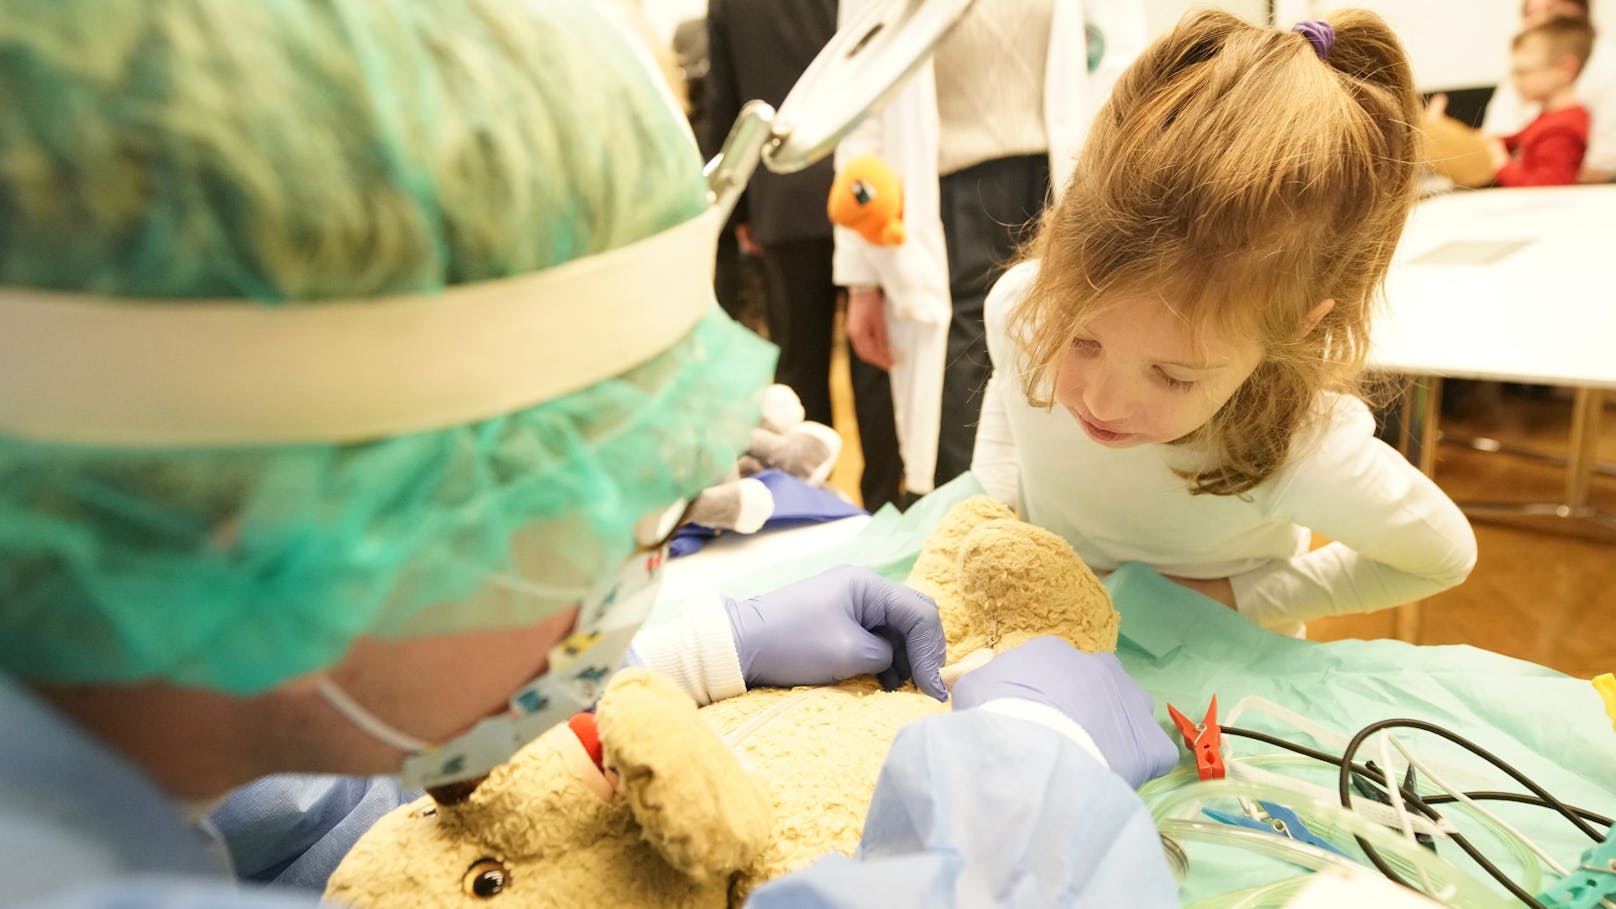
(867, 197)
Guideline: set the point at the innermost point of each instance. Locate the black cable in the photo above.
(1548, 800)
(1415, 802)
(1344, 790)
(1375, 777)
(1278, 742)
(1523, 799)
(1497, 875)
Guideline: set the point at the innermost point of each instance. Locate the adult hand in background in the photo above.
(748, 244)
(867, 326)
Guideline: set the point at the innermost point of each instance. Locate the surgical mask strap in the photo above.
(371, 724)
(573, 680)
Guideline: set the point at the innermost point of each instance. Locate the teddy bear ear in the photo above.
(695, 804)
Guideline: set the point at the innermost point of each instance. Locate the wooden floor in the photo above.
(1537, 593)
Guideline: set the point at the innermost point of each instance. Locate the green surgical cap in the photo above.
(295, 151)
(298, 150)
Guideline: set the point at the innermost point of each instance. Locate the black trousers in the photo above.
(801, 315)
(987, 210)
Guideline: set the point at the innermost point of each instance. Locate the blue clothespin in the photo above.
(1593, 880)
(1280, 820)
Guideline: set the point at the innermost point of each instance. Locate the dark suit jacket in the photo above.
(757, 49)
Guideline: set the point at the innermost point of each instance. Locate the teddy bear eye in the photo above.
(486, 878)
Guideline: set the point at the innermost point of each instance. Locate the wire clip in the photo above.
(1278, 819)
(1203, 739)
(1373, 792)
(1606, 686)
(1593, 881)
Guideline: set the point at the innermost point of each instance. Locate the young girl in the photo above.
(1174, 365)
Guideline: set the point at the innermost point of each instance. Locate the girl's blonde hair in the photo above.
(1241, 179)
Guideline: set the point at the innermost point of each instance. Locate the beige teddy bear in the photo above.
(675, 806)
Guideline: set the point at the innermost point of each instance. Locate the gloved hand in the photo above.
(1090, 688)
(845, 622)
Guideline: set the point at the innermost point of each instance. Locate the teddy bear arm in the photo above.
(694, 802)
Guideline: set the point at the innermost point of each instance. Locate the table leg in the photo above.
(1587, 408)
(1419, 418)
(1430, 419)
(1420, 431)
(1581, 464)
(1406, 421)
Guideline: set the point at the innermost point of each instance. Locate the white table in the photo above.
(1545, 313)
(1514, 285)
(736, 555)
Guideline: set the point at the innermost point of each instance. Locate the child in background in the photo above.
(1198, 305)
(1508, 113)
(1544, 64)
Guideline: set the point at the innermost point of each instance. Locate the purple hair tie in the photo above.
(1318, 33)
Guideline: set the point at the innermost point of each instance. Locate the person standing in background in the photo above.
(980, 137)
(1508, 113)
(736, 281)
(631, 13)
(757, 49)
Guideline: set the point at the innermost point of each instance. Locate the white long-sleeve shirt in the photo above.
(1396, 536)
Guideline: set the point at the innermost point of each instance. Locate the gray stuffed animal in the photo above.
(786, 442)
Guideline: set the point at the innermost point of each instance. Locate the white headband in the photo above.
(186, 373)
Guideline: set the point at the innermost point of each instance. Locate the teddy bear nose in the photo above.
(455, 793)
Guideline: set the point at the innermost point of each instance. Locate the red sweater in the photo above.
(1548, 152)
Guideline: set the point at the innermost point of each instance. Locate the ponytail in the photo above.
(1243, 174)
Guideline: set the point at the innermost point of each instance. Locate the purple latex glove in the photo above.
(845, 622)
(1090, 688)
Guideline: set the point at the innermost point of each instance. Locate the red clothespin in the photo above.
(1203, 739)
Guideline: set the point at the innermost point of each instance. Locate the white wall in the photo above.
(1453, 43)
(1162, 15)
(664, 15)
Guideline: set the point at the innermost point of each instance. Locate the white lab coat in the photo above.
(914, 276)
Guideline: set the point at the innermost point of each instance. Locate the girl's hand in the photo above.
(1215, 588)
